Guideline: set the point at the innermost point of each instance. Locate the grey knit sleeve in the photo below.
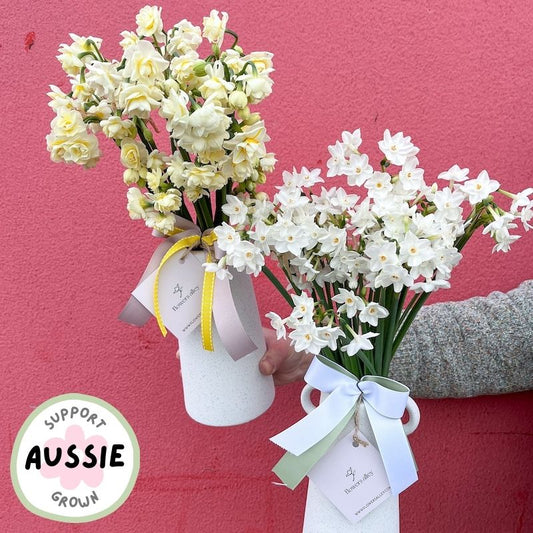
(470, 348)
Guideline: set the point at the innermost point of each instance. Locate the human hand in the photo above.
(281, 361)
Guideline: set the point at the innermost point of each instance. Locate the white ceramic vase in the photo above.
(321, 516)
(219, 391)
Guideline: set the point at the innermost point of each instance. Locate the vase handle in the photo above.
(411, 408)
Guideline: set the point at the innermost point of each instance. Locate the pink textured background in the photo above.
(456, 76)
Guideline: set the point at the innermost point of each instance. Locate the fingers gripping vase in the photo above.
(321, 516)
(219, 391)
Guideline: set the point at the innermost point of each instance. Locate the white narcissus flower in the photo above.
(290, 198)
(381, 255)
(359, 342)
(430, 285)
(480, 188)
(351, 142)
(308, 178)
(306, 337)
(268, 162)
(133, 154)
(69, 54)
(227, 237)
(139, 99)
(499, 231)
(149, 22)
(215, 26)
(350, 302)
(454, 173)
(214, 86)
(137, 204)
(235, 210)
(103, 78)
(129, 38)
(174, 109)
(379, 185)
(246, 257)
(81, 149)
(261, 60)
(394, 275)
(411, 177)
(330, 335)
(182, 67)
(448, 203)
(116, 128)
(415, 251)
(68, 123)
(358, 170)
(397, 148)
(144, 64)
(278, 325)
(372, 313)
(165, 202)
(337, 162)
(334, 242)
(256, 87)
(165, 223)
(183, 38)
(304, 307)
(59, 99)
(206, 129)
(219, 268)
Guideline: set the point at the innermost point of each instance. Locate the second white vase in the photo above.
(321, 516)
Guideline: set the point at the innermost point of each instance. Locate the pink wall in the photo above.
(457, 77)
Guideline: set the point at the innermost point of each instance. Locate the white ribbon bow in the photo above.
(385, 401)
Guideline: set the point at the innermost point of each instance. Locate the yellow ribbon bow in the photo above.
(208, 289)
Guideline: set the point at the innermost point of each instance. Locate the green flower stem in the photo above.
(295, 287)
(234, 35)
(270, 275)
(184, 212)
(205, 211)
(419, 301)
(395, 303)
(380, 330)
(200, 222)
(219, 202)
(145, 134)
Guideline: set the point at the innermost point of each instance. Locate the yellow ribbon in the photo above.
(206, 313)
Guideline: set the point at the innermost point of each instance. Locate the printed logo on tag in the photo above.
(75, 459)
(352, 478)
(180, 293)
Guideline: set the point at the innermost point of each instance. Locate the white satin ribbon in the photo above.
(385, 401)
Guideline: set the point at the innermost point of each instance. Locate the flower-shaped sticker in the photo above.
(70, 477)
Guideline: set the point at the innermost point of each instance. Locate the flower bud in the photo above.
(261, 196)
(130, 176)
(238, 100)
(199, 69)
(244, 113)
(252, 118)
(170, 84)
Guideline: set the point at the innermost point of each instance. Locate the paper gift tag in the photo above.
(180, 293)
(352, 478)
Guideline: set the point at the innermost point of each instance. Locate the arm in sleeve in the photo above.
(483, 345)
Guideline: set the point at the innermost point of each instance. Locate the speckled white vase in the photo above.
(321, 516)
(219, 391)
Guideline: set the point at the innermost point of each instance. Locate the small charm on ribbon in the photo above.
(356, 441)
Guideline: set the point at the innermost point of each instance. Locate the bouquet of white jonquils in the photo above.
(215, 144)
(360, 263)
